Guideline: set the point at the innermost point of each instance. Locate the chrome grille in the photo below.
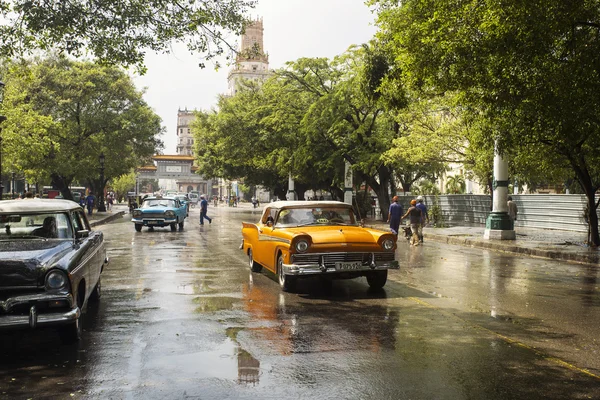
(154, 215)
(330, 259)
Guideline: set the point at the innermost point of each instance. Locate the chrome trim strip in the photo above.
(269, 238)
(85, 260)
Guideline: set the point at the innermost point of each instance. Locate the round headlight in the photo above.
(388, 244)
(170, 214)
(302, 246)
(56, 280)
(137, 213)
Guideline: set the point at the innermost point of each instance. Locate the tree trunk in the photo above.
(592, 217)
(585, 180)
(381, 187)
(300, 189)
(336, 193)
(61, 183)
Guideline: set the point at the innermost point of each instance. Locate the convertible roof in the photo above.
(37, 205)
(303, 204)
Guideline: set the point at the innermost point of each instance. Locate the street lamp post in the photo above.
(101, 205)
(2, 119)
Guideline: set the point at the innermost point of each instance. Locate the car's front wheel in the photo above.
(71, 333)
(287, 282)
(377, 279)
(138, 227)
(173, 226)
(254, 266)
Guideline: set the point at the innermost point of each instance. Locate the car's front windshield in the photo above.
(315, 216)
(152, 203)
(48, 225)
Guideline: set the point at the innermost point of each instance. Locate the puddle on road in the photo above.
(212, 304)
(226, 361)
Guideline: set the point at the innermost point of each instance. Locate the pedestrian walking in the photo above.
(203, 209)
(424, 215)
(512, 209)
(109, 201)
(395, 215)
(90, 201)
(414, 214)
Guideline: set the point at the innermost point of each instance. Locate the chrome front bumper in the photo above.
(316, 269)
(154, 221)
(35, 318)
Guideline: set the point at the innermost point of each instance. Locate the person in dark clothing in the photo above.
(395, 215)
(424, 215)
(90, 201)
(203, 209)
(415, 216)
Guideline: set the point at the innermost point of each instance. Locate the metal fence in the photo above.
(546, 211)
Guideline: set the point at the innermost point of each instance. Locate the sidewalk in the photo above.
(99, 218)
(546, 243)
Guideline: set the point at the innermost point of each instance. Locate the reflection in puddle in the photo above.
(211, 304)
(226, 361)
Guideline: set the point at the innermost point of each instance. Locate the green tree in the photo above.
(63, 114)
(123, 184)
(119, 31)
(529, 68)
(455, 184)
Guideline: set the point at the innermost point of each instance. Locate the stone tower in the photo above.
(185, 139)
(251, 61)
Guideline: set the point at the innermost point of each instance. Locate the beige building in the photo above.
(185, 139)
(251, 62)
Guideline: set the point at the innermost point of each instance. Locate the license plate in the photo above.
(152, 222)
(348, 265)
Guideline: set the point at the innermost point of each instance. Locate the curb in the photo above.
(108, 219)
(592, 258)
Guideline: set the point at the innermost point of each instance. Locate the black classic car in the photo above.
(50, 265)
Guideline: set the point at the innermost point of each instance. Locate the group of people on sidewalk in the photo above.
(417, 215)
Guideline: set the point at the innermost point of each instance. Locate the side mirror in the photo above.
(82, 234)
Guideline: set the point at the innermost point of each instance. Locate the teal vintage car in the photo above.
(157, 211)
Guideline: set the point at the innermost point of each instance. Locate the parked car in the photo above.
(50, 265)
(158, 211)
(296, 239)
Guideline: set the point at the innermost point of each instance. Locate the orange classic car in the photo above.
(296, 239)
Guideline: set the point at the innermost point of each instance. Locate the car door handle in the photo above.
(260, 231)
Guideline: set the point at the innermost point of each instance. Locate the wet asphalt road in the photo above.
(182, 317)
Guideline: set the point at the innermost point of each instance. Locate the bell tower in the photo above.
(252, 63)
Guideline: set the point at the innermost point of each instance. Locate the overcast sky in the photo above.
(292, 29)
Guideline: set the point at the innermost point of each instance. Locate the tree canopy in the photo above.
(529, 68)
(63, 114)
(119, 32)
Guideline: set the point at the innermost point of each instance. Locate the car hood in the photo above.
(25, 263)
(154, 210)
(341, 234)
